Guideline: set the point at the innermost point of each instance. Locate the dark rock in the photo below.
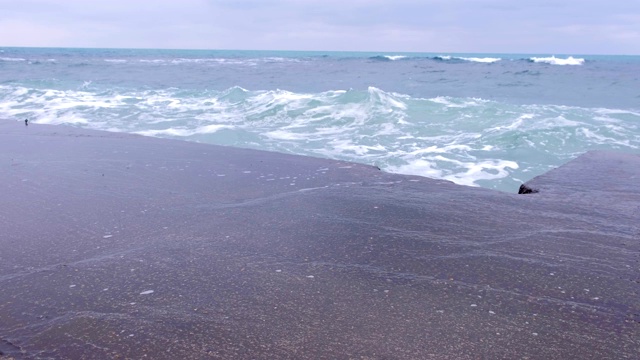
(524, 189)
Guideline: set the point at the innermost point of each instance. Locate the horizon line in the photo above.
(318, 51)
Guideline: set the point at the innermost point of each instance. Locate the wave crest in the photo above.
(558, 61)
(387, 57)
(487, 60)
(10, 59)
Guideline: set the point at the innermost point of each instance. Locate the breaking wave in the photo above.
(470, 59)
(558, 61)
(469, 141)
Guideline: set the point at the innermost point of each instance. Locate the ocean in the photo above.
(489, 120)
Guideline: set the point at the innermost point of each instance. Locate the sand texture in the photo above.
(120, 246)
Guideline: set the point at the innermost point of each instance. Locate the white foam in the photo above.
(465, 140)
(594, 137)
(388, 99)
(184, 132)
(558, 61)
(280, 97)
(251, 62)
(556, 122)
(420, 167)
(471, 59)
(476, 171)
(11, 59)
(153, 61)
(605, 111)
(457, 103)
(279, 59)
(347, 146)
(460, 172)
(285, 135)
(481, 60)
(435, 149)
(515, 124)
(395, 57)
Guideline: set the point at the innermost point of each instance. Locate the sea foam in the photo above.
(558, 61)
(469, 141)
(481, 60)
(11, 59)
(467, 59)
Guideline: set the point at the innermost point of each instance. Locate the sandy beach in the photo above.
(122, 246)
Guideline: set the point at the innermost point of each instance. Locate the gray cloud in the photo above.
(537, 26)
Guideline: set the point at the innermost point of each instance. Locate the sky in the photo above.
(462, 26)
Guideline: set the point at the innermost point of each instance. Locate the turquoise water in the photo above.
(491, 120)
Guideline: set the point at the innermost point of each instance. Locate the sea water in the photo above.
(490, 120)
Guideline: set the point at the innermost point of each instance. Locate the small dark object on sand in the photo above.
(524, 189)
(26, 122)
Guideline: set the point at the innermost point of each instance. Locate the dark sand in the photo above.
(256, 255)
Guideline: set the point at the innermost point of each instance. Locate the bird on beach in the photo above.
(26, 122)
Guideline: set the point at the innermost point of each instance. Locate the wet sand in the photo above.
(121, 246)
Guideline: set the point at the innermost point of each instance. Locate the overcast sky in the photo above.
(503, 26)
